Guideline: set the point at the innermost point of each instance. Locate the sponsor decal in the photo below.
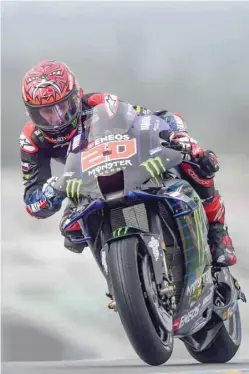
(61, 145)
(26, 176)
(203, 182)
(154, 245)
(108, 152)
(61, 139)
(145, 124)
(156, 125)
(201, 231)
(39, 135)
(37, 206)
(186, 318)
(154, 166)
(175, 194)
(111, 104)
(203, 279)
(86, 112)
(68, 174)
(120, 231)
(75, 122)
(26, 166)
(110, 167)
(26, 145)
(142, 111)
(76, 142)
(110, 138)
(103, 261)
(155, 150)
(73, 188)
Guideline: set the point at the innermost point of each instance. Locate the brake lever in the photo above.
(176, 147)
(192, 163)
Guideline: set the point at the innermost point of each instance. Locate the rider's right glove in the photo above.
(43, 203)
(206, 159)
(185, 143)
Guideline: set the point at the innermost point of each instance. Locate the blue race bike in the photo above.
(147, 230)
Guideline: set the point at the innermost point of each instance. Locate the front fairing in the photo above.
(135, 149)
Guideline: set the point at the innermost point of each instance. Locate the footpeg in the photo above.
(241, 295)
(112, 305)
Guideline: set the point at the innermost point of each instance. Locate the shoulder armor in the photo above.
(26, 139)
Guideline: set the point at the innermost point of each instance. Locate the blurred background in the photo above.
(190, 57)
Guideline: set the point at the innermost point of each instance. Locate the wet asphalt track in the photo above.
(125, 366)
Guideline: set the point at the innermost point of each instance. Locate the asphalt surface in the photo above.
(124, 366)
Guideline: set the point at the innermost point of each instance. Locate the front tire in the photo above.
(225, 345)
(123, 264)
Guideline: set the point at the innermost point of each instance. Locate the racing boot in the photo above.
(220, 243)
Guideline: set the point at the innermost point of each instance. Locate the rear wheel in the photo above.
(125, 262)
(225, 345)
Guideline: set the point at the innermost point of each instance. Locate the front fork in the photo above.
(164, 285)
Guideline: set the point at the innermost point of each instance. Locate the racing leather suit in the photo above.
(37, 151)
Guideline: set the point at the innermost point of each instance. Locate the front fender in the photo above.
(152, 245)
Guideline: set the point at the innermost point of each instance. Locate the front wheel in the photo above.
(125, 263)
(225, 345)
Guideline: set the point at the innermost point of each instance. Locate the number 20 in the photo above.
(108, 152)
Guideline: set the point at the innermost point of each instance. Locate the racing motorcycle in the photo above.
(147, 230)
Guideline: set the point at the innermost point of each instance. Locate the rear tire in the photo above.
(134, 314)
(225, 345)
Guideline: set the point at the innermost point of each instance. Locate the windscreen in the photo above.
(110, 118)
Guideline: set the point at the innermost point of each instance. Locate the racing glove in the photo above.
(44, 202)
(206, 159)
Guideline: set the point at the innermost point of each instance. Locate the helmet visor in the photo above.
(55, 117)
(57, 114)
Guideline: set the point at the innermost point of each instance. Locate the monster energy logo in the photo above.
(200, 228)
(75, 122)
(154, 166)
(73, 188)
(120, 231)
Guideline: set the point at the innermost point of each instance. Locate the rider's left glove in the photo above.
(43, 203)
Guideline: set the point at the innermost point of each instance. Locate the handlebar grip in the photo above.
(176, 147)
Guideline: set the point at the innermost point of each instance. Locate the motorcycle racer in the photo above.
(57, 108)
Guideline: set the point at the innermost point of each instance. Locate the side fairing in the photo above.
(198, 284)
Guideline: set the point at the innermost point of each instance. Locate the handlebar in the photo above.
(177, 147)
